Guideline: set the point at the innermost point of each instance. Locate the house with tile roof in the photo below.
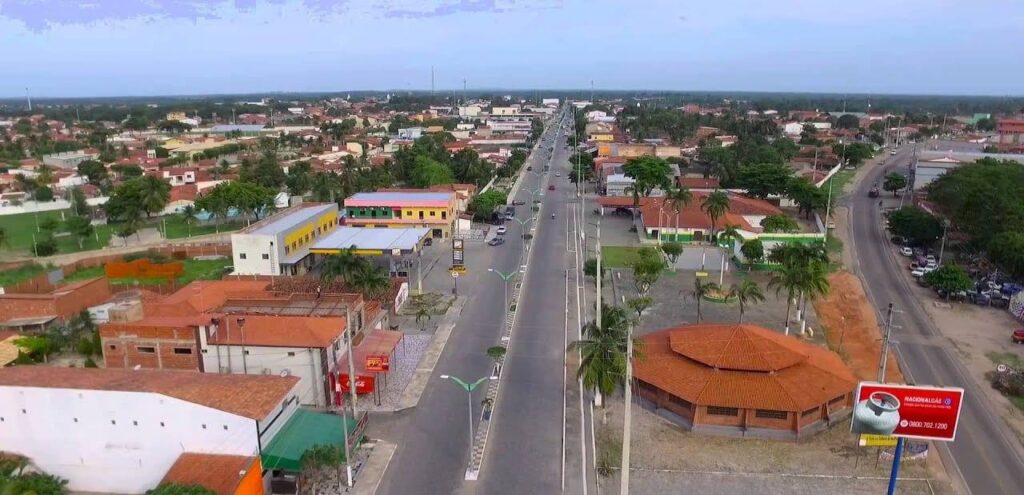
(743, 380)
(435, 210)
(122, 431)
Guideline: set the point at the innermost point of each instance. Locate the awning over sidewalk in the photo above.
(306, 429)
(378, 343)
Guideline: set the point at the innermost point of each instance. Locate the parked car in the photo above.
(517, 202)
(529, 168)
(905, 251)
(429, 241)
(893, 152)
(930, 258)
(496, 241)
(917, 273)
(502, 230)
(873, 193)
(551, 187)
(558, 174)
(1017, 337)
(898, 240)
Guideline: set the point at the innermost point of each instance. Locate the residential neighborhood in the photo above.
(244, 278)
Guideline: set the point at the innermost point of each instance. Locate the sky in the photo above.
(175, 47)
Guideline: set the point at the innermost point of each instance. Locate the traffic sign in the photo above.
(1002, 368)
(455, 274)
(702, 274)
(867, 440)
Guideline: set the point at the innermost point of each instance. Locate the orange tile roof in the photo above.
(279, 331)
(251, 396)
(201, 296)
(659, 213)
(220, 473)
(756, 368)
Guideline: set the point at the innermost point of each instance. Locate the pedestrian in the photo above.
(318, 292)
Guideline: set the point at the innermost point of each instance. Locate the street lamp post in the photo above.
(942, 247)
(522, 225)
(469, 387)
(505, 277)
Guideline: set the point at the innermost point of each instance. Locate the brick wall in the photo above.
(63, 304)
(126, 345)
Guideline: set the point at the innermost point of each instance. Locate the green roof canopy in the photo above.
(306, 429)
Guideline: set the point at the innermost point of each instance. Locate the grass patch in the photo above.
(177, 229)
(194, 270)
(609, 455)
(19, 231)
(20, 274)
(1008, 358)
(618, 256)
(839, 181)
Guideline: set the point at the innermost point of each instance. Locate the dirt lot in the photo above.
(664, 455)
(853, 329)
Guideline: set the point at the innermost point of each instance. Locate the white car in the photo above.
(906, 251)
(502, 230)
(918, 273)
(930, 258)
(557, 174)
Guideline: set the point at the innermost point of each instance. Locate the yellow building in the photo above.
(433, 210)
(279, 245)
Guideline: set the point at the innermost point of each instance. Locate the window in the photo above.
(837, 400)
(241, 256)
(246, 352)
(770, 414)
(266, 256)
(408, 213)
(135, 423)
(287, 249)
(433, 213)
(226, 426)
(679, 401)
(204, 351)
(113, 422)
(421, 214)
(204, 426)
(292, 354)
(112, 347)
(444, 215)
(723, 411)
(146, 350)
(182, 350)
(161, 424)
(76, 420)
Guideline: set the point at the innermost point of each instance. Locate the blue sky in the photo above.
(151, 47)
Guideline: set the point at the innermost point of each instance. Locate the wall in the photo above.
(63, 304)
(121, 342)
(257, 255)
(114, 442)
(303, 363)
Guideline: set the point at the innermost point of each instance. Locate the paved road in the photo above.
(433, 438)
(986, 452)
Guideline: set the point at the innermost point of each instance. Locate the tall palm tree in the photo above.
(730, 232)
(188, 215)
(746, 292)
(371, 280)
(603, 351)
(715, 205)
(790, 279)
(678, 198)
(701, 289)
(342, 265)
(154, 193)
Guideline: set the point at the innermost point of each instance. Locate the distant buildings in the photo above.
(743, 380)
(69, 159)
(1011, 135)
(434, 210)
(279, 245)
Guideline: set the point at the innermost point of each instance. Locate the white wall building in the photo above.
(549, 101)
(410, 133)
(279, 245)
(469, 111)
(510, 110)
(119, 431)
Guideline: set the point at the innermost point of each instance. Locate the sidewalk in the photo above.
(373, 470)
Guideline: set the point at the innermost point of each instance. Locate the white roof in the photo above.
(289, 220)
(405, 239)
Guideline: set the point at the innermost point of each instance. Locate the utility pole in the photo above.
(431, 84)
(29, 99)
(464, 100)
(884, 358)
(627, 415)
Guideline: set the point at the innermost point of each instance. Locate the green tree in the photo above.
(730, 233)
(37, 347)
(127, 230)
(648, 173)
(779, 223)
(719, 162)
(267, 172)
(188, 216)
(94, 171)
(483, 205)
(81, 228)
(423, 315)
(715, 205)
(746, 292)
(78, 202)
(848, 121)
(590, 268)
(371, 280)
(298, 180)
(639, 305)
(672, 250)
(853, 153)
(949, 279)
(45, 244)
(701, 290)
(764, 179)
(1007, 250)
(894, 182)
(983, 198)
(787, 279)
(753, 250)
(126, 171)
(342, 265)
(603, 351)
(496, 353)
(427, 172)
(807, 196)
(194, 489)
(43, 194)
(49, 224)
(919, 227)
(678, 198)
(3, 237)
(647, 268)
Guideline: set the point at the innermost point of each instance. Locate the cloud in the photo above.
(420, 10)
(39, 15)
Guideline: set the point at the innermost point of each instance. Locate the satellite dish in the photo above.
(1001, 368)
(286, 372)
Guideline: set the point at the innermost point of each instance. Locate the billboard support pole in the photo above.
(895, 466)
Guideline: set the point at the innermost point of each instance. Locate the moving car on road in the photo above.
(496, 241)
(502, 230)
(551, 187)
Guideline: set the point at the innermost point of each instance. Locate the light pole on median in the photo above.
(505, 277)
(469, 387)
(522, 225)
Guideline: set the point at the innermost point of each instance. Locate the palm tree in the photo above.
(371, 280)
(730, 232)
(678, 198)
(746, 292)
(715, 205)
(188, 215)
(603, 352)
(422, 317)
(790, 279)
(701, 289)
(154, 193)
(813, 285)
(342, 265)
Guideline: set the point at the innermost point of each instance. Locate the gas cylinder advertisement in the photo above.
(909, 411)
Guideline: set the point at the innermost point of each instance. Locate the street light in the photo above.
(469, 387)
(522, 225)
(505, 277)
(942, 247)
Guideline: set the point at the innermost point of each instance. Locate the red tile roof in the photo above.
(279, 331)
(743, 366)
(188, 192)
(658, 213)
(220, 473)
(251, 396)
(698, 183)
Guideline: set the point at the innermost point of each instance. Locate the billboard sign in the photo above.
(378, 363)
(364, 384)
(458, 252)
(908, 411)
